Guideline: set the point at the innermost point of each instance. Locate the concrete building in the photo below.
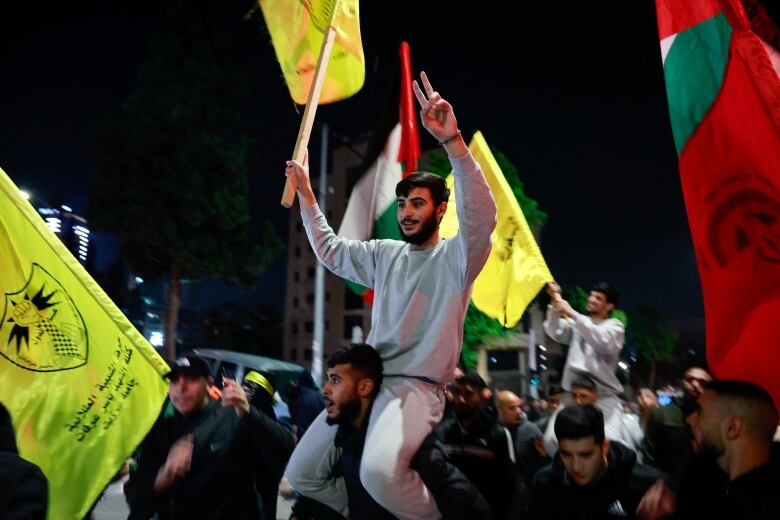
(72, 229)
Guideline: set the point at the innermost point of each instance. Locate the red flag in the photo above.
(724, 104)
(393, 154)
(409, 153)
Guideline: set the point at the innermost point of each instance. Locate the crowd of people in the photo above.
(400, 431)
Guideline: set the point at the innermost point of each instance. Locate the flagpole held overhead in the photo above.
(295, 29)
(288, 196)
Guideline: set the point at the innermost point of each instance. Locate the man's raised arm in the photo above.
(475, 205)
(350, 259)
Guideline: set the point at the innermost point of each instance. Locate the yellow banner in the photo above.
(297, 28)
(515, 272)
(82, 385)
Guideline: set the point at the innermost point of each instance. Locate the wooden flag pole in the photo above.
(288, 197)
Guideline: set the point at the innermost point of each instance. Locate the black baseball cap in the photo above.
(189, 365)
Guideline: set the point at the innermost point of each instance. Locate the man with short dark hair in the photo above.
(734, 425)
(482, 449)
(618, 425)
(200, 462)
(591, 477)
(595, 341)
(667, 442)
(354, 377)
(422, 287)
(353, 380)
(554, 394)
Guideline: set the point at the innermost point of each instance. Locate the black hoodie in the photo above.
(616, 494)
(23, 488)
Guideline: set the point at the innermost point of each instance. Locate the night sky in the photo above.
(572, 94)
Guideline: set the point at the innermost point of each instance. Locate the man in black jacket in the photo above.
(526, 436)
(354, 377)
(734, 426)
(591, 477)
(200, 462)
(22, 484)
(482, 449)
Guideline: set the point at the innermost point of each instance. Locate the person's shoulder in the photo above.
(15, 467)
(614, 323)
(530, 427)
(543, 479)
(445, 426)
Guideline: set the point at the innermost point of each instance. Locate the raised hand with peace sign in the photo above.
(439, 118)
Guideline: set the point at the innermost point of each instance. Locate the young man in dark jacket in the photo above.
(733, 427)
(200, 462)
(483, 450)
(354, 377)
(591, 477)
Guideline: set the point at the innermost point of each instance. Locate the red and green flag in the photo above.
(371, 208)
(723, 91)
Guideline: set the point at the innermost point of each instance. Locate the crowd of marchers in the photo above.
(709, 453)
(404, 434)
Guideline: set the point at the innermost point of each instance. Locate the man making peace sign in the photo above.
(422, 286)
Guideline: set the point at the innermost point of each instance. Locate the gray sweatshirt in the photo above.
(594, 348)
(420, 297)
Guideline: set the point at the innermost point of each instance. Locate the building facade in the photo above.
(72, 229)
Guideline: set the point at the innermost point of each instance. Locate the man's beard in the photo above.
(709, 449)
(348, 412)
(427, 228)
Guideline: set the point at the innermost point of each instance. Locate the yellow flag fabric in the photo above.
(297, 28)
(515, 270)
(81, 383)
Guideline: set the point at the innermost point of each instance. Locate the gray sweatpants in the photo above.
(404, 413)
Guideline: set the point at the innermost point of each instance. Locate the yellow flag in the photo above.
(297, 28)
(81, 383)
(515, 270)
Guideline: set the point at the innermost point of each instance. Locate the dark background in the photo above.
(572, 93)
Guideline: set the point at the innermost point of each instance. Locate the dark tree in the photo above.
(655, 337)
(171, 165)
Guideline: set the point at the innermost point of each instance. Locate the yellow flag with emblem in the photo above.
(82, 385)
(515, 271)
(297, 28)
